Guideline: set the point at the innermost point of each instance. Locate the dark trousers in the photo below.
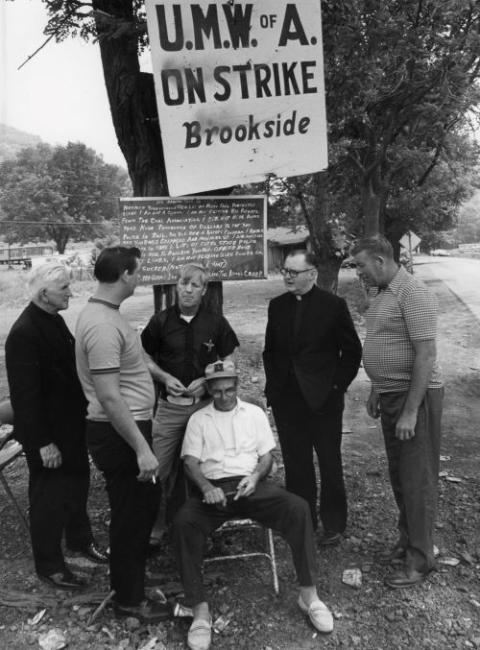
(58, 505)
(300, 431)
(133, 506)
(269, 505)
(413, 467)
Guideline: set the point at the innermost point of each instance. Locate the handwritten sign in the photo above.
(225, 234)
(240, 90)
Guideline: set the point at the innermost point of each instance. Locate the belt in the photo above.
(183, 400)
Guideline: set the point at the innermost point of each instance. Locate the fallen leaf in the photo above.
(37, 618)
(449, 561)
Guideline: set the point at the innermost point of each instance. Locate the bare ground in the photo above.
(443, 613)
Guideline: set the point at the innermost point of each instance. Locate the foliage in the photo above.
(401, 78)
(468, 227)
(58, 193)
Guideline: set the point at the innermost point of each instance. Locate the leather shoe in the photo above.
(92, 552)
(401, 579)
(330, 538)
(320, 616)
(148, 611)
(63, 580)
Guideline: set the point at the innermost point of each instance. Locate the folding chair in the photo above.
(239, 524)
(236, 525)
(10, 450)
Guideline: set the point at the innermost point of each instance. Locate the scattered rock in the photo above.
(54, 639)
(352, 578)
(83, 612)
(132, 623)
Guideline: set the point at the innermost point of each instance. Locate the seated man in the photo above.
(227, 455)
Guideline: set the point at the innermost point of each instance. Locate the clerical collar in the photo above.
(304, 296)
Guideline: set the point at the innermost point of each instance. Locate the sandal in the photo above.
(200, 634)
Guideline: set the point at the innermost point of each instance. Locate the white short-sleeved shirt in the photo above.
(105, 343)
(403, 312)
(228, 443)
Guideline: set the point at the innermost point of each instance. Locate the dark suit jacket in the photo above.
(46, 395)
(325, 354)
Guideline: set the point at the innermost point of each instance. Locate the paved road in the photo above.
(462, 276)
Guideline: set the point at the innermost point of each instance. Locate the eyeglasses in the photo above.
(293, 274)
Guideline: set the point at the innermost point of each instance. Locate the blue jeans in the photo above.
(413, 467)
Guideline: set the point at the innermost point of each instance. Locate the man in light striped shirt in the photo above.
(399, 356)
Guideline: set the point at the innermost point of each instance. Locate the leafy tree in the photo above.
(401, 77)
(58, 193)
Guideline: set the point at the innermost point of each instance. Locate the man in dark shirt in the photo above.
(49, 419)
(181, 341)
(312, 353)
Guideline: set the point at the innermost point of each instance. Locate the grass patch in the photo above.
(14, 292)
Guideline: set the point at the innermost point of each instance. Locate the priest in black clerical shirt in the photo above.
(312, 354)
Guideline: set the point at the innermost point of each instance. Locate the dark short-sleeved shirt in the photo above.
(183, 348)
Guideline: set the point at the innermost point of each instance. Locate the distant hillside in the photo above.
(12, 141)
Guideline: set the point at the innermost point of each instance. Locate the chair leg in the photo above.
(9, 492)
(273, 559)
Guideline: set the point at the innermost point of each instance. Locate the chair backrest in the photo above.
(6, 412)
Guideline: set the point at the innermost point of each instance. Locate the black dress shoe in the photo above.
(403, 579)
(148, 611)
(330, 538)
(63, 580)
(92, 552)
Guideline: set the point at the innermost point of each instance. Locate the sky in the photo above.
(60, 93)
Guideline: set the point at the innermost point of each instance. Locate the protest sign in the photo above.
(240, 90)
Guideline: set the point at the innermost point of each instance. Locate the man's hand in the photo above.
(174, 386)
(148, 466)
(373, 404)
(405, 427)
(214, 495)
(51, 456)
(196, 388)
(247, 486)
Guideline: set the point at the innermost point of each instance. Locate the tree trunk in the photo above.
(131, 97)
(323, 244)
(371, 202)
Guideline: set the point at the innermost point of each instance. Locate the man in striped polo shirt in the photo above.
(399, 356)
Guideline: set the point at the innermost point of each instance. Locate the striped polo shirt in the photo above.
(405, 311)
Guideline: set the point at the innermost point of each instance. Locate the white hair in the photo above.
(43, 276)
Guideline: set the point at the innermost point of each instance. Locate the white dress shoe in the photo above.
(320, 616)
